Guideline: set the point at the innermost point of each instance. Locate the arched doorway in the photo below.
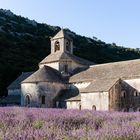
(43, 100)
(27, 100)
(94, 108)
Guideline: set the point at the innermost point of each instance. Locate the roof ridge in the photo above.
(124, 69)
(125, 61)
(106, 79)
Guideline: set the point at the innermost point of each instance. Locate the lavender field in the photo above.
(58, 124)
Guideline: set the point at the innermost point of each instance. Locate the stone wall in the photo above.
(115, 97)
(125, 96)
(36, 90)
(73, 104)
(100, 100)
(72, 66)
(14, 91)
(60, 65)
(131, 101)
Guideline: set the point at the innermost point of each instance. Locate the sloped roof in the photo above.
(17, 83)
(58, 56)
(123, 69)
(68, 94)
(76, 98)
(11, 99)
(100, 85)
(61, 34)
(45, 74)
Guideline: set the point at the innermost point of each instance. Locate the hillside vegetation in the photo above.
(24, 43)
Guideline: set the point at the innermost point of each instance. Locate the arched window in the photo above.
(43, 99)
(135, 93)
(57, 46)
(68, 46)
(94, 107)
(123, 94)
(138, 109)
(79, 106)
(27, 100)
(124, 109)
(65, 68)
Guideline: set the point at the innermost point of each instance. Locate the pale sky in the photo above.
(109, 20)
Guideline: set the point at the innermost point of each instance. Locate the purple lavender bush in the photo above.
(60, 124)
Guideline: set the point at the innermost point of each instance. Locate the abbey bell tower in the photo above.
(61, 57)
(61, 42)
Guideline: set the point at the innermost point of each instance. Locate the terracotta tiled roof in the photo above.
(45, 74)
(123, 70)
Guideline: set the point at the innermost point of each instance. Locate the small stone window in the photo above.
(123, 94)
(136, 93)
(66, 68)
(57, 46)
(43, 99)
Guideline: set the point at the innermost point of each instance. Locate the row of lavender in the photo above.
(58, 124)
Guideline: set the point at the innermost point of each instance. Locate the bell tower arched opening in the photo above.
(56, 46)
(62, 42)
(68, 46)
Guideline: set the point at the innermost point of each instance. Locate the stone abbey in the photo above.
(64, 80)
